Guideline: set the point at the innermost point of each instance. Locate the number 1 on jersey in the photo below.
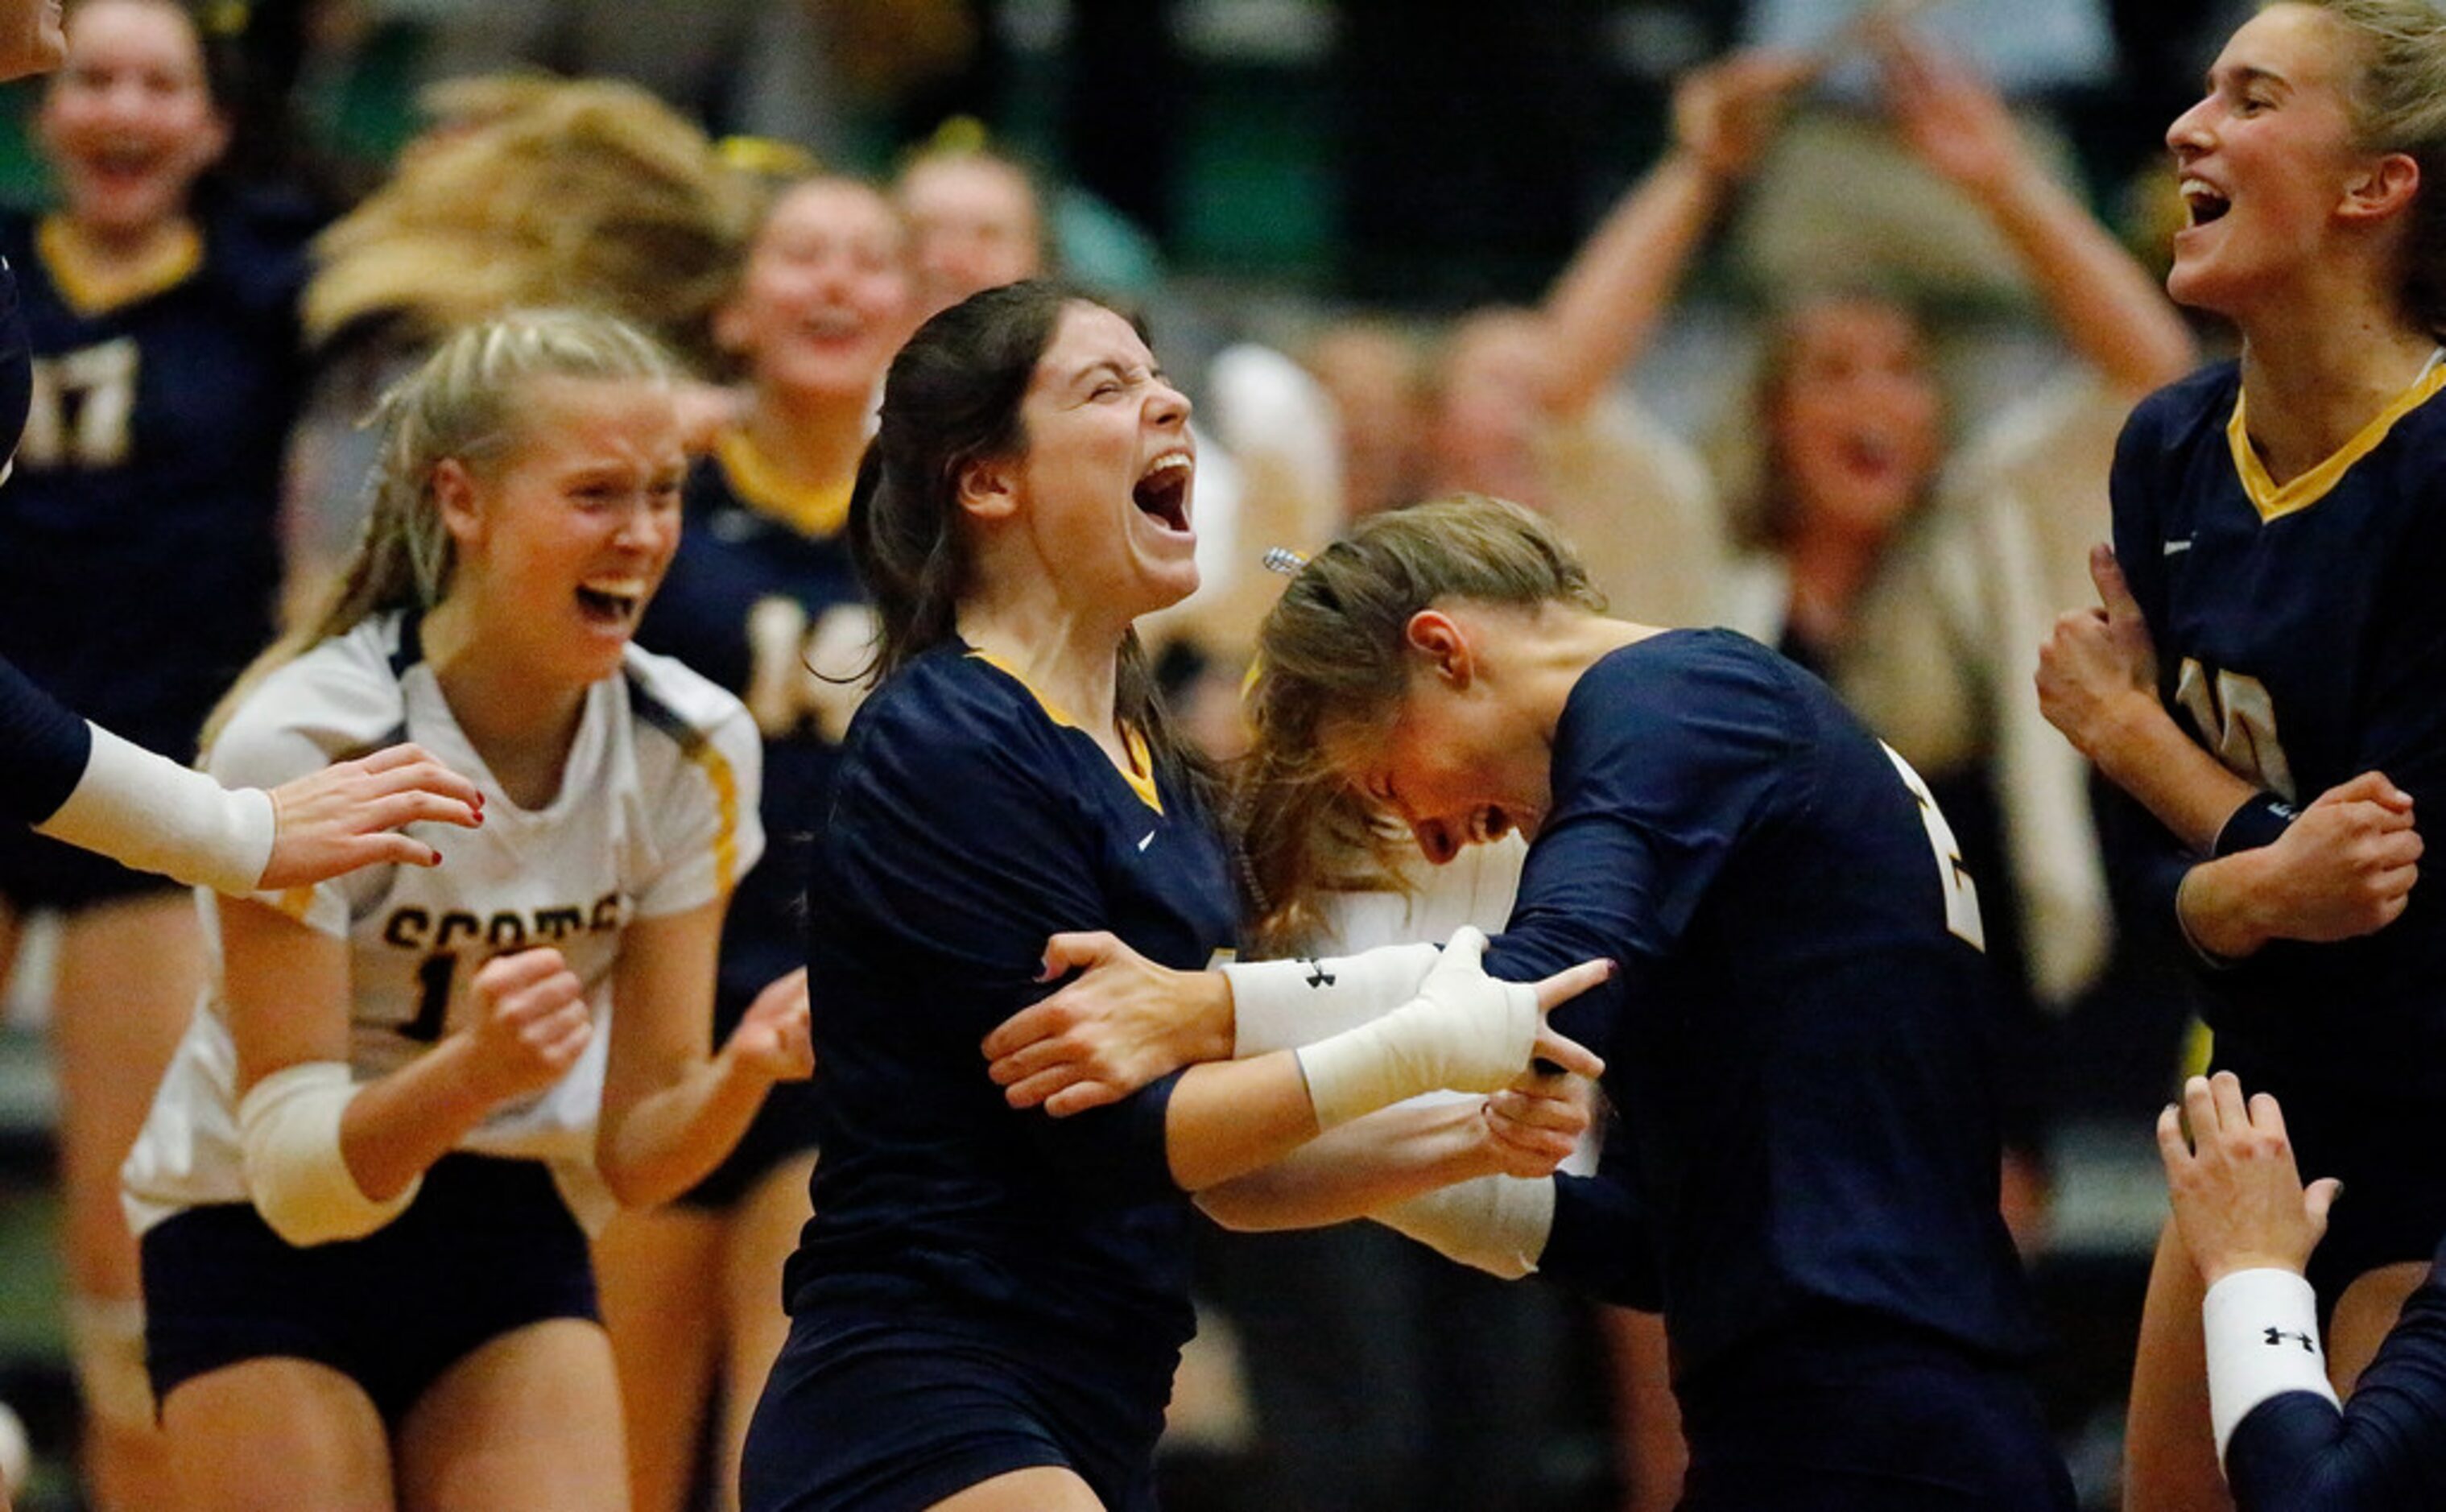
(1961, 893)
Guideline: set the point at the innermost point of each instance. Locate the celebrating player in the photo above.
(987, 1305)
(1805, 1177)
(2274, 518)
(763, 598)
(362, 1187)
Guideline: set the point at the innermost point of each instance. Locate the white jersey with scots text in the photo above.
(656, 815)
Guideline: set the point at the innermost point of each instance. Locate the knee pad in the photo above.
(106, 1341)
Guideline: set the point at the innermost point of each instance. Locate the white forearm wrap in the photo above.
(1494, 1223)
(288, 1126)
(1465, 1032)
(1284, 1005)
(2263, 1336)
(148, 812)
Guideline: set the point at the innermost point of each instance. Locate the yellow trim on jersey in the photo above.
(91, 288)
(1140, 773)
(2274, 502)
(725, 780)
(810, 511)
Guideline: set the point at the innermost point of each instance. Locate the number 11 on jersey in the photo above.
(1961, 893)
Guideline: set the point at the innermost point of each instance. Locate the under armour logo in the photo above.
(1318, 975)
(2277, 1337)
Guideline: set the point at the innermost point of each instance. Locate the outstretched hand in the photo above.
(2239, 1203)
(347, 815)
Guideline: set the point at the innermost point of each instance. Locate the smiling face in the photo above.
(564, 538)
(974, 224)
(1453, 761)
(31, 38)
(2264, 159)
(129, 123)
(825, 297)
(1104, 488)
(1855, 418)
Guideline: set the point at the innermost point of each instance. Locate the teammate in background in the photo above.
(1804, 1177)
(2266, 675)
(139, 572)
(363, 1188)
(975, 220)
(988, 1306)
(763, 599)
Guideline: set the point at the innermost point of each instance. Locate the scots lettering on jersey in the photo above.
(417, 929)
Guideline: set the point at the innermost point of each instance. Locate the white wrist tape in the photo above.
(1284, 1005)
(288, 1126)
(148, 812)
(1465, 1032)
(2263, 1336)
(1494, 1223)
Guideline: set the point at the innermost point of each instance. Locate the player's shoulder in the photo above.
(946, 721)
(1691, 692)
(337, 699)
(669, 696)
(2197, 404)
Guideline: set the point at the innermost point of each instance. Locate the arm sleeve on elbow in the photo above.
(289, 1127)
(1493, 1223)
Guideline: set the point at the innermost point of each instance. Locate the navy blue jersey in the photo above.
(2301, 635)
(2386, 1449)
(967, 824)
(42, 750)
(139, 535)
(764, 611)
(1801, 1039)
(16, 364)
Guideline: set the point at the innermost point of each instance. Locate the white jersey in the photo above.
(656, 815)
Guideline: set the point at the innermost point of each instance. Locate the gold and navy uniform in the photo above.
(960, 1247)
(139, 532)
(2384, 1449)
(2300, 637)
(1800, 1043)
(756, 604)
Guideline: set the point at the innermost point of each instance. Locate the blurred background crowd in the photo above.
(1813, 317)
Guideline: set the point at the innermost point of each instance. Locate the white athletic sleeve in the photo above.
(1286, 1005)
(148, 812)
(1493, 1223)
(2263, 1341)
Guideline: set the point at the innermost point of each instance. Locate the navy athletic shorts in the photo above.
(1844, 1412)
(878, 1412)
(488, 1246)
(2394, 1205)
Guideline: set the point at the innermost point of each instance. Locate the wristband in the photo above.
(1465, 1032)
(1283, 1005)
(2263, 1341)
(2261, 821)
